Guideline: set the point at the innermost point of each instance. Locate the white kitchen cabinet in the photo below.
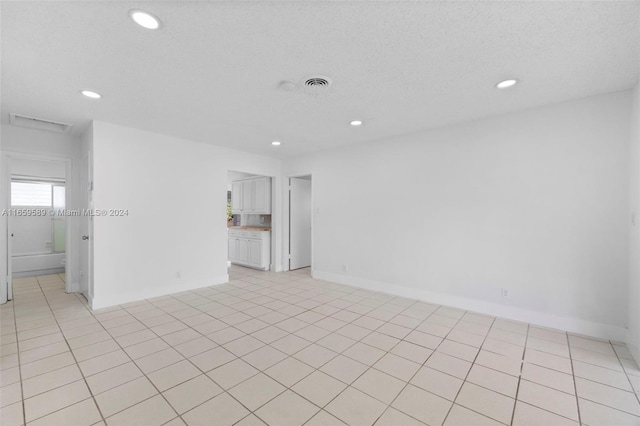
(250, 248)
(251, 196)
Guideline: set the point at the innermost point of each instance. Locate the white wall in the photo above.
(535, 202)
(155, 176)
(633, 338)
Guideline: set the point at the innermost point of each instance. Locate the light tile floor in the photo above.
(284, 349)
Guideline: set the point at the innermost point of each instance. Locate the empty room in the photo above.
(287, 213)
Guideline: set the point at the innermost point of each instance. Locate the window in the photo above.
(31, 194)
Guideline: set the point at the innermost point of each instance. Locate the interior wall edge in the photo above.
(111, 299)
(543, 319)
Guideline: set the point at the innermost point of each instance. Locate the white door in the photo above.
(299, 223)
(85, 227)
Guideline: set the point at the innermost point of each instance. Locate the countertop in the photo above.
(250, 228)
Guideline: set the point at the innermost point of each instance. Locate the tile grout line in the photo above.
(524, 353)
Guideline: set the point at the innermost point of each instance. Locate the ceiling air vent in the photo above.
(38, 123)
(316, 82)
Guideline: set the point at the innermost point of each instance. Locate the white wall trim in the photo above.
(106, 301)
(574, 325)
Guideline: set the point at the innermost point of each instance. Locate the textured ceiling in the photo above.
(211, 73)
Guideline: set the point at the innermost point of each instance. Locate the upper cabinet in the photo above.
(251, 196)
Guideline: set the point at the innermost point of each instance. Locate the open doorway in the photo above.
(37, 225)
(249, 208)
(300, 223)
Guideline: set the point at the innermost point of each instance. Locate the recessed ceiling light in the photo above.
(275, 143)
(506, 83)
(90, 94)
(145, 19)
(356, 123)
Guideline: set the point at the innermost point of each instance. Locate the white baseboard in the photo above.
(99, 302)
(574, 325)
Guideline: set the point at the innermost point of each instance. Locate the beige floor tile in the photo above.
(412, 352)
(290, 344)
(82, 413)
(173, 375)
(46, 365)
(43, 352)
(264, 357)
(461, 416)
(146, 348)
(379, 385)
(289, 371)
(486, 402)
(396, 366)
(225, 335)
(94, 350)
(191, 393)
(243, 345)
(153, 411)
(355, 408)
(51, 380)
(315, 355)
(322, 418)
(363, 353)
(606, 395)
(344, 369)
(590, 344)
(437, 382)
(458, 350)
(232, 373)
(380, 341)
(546, 360)
(48, 339)
(467, 334)
(503, 348)
(10, 394)
(508, 336)
(250, 420)
(336, 342)
(54, 400)
(224, 409)
(9, 376)
(113, 377)
(195, 346)
(548, 399)
(601, 375)
(12, 415)
(208, 360)
(124, 396)
(596, 358)
(256, 391)
(494, 380)
(393, 417)
(103, 362)
(560, 349)
(556, 336)
(287, 409)
(547, 377)
(422, 405)
(319, 388)
(449, 364)
(528, 415)
(593, 414)
(158, 360)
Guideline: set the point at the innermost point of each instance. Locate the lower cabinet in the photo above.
(250, 248)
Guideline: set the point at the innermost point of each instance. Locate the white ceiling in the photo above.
(211, 73)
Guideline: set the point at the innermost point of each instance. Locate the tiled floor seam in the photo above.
(524, 354)
(573, 377)
(76, 363)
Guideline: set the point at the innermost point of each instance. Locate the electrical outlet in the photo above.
(178, 274)
(505, 293)
(345, 268)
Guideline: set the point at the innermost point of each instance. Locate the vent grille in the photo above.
(316, 82)
(38, 123)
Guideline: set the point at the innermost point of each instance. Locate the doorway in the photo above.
(37, 243)
(300, 223)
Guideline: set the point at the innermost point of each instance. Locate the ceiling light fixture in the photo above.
(90, 94)
(356, 123)
(275, 143)
(506, 83)
(144, 19)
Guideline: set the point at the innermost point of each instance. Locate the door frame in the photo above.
(287, 220)
(71, 249)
